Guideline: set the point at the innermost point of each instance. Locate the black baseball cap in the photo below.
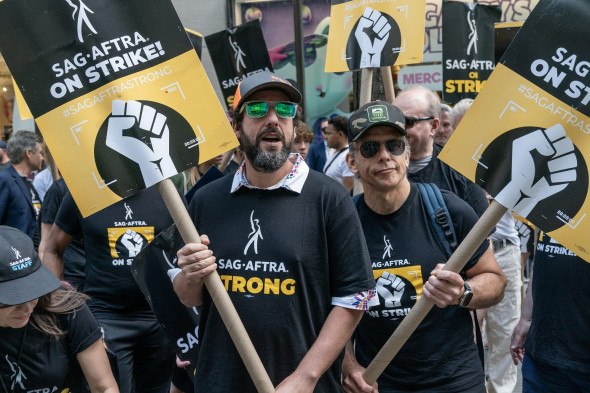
(375, 113)
(263, 81)
(22, 275)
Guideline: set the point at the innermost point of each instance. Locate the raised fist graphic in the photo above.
(372, 33)
(151, 152)
(133, 242)
(527, 187)
(391, 288)
(524, 232)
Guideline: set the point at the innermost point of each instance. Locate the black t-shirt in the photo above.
(558, 334)
(282, 257)
(441, 355)
(46, 364)
(74, 256)
(446, 178)
(112, 238)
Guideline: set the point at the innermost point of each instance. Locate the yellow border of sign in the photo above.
(408, 14)
(510, 101)
(23, 108)
(180, 83)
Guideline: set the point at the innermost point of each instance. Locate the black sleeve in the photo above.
(464, 218)
(83, 330)
(350, 264)
(68, 217)
(476, 197)
(51, 203)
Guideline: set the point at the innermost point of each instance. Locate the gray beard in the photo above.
(266, 161)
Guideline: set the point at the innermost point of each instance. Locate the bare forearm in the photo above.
(53, 260)
(527, 307)
(488, 289)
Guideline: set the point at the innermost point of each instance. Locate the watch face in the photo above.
(466, 298)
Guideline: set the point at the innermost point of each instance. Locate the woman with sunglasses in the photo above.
(47, 332)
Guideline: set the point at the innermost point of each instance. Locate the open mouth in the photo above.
(272, 138)
(322, 94)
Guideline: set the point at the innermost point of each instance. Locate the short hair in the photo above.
(449, 110)
(19, 143)
(340, 123)
(461, 107)
(432, 99)
(302, 131)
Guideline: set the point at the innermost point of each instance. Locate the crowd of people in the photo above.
(320, 279)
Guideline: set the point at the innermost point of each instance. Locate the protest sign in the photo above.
(468, 47)
(180, 323)
(524, 137)
(117, 91)
(237, 53)
(196, 39)
(23, 108)
(375, 35)
(504, 33)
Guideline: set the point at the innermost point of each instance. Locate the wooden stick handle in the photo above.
(366, 86)
(456, 262)
(220, 297)
(388, 84)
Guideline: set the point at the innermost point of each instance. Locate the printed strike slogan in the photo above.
(526, 134)
(117, 91)
(468, 47)
(370, 33)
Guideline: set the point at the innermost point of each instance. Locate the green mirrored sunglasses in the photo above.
(260, 108)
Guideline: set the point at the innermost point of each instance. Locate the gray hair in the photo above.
(449, 110)
(461, 107)
(19, 143)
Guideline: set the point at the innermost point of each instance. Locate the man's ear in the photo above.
(435, 125)
(236, 129)
(351, 162)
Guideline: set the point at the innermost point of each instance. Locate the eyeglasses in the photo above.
(260, 108)
(411, 121)
(394, 146)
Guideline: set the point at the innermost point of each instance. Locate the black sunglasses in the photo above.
(394, 146)
(411, 121)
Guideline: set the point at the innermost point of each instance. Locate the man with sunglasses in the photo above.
(289, 249)
(407, 261)
(421, 108)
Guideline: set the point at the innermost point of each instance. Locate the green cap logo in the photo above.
(377, 113)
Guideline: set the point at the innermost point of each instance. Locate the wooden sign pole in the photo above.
(456, 262)
(220, 297)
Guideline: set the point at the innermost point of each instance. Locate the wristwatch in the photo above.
(466, 297)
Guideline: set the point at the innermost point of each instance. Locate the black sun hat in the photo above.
(22, 275)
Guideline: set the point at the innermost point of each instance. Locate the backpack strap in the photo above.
(439, 216)
(443, 226)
